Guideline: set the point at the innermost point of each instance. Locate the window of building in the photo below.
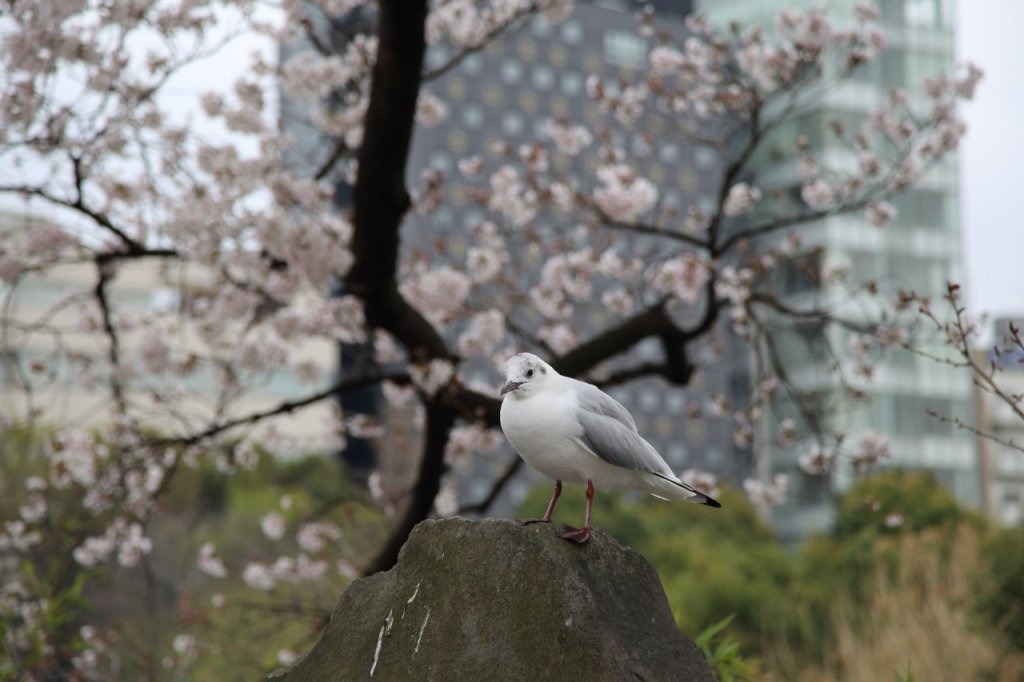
(543, 78)
(705, 157)
(557, 56)
(625, 48)
(493, 96)
(921, 13)
(528, 102)
(572, 84)
(437, 56)
(663, 427)
(511, 71)
(472, 65)
(456, 88)
(668, 153)
(676, 453)
(473, 116)
(457, 141)
(649, 399)
(512, 123)
(527, 50)
(688, 180)
(572, 31)
(440, 160)
(559, 107)
(541, 27)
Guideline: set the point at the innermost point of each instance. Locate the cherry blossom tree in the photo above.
(84, 135)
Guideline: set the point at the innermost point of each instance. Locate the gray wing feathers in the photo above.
(593, 399)
(618, 444)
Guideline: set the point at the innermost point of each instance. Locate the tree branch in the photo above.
(440, 420)
(286, 407)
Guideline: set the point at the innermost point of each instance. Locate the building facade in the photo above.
(507, 94)
(920, 251)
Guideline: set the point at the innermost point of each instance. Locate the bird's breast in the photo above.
(544, 432)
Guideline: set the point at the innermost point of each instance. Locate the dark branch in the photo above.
(440, 420)
(483, 505)
(286, 407)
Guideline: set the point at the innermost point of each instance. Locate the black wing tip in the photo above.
(707, 499)
(711, 502)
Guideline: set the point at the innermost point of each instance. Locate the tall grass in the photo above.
(917, 615)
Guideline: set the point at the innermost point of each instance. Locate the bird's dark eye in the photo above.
(529, 373)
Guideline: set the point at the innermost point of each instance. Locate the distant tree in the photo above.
(84, 133)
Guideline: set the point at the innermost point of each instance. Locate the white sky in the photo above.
(992, 160)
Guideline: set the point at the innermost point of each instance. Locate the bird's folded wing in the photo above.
(617, 444)
(592, 399)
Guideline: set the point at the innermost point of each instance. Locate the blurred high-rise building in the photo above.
(508, 94)
(1001, 429)
(920, 251)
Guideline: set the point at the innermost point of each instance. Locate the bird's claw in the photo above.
(580, 535)
(527, 522)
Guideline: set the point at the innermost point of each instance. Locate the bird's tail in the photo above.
(694, 496)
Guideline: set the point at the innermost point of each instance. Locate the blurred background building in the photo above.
(920, 251)
(1001, 437)
(47, 354)
(508, 93)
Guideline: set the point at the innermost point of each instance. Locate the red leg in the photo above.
(551, 506)
(581, 535)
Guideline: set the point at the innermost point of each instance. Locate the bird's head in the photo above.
(526, 373)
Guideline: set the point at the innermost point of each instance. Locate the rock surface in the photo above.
(496, 600)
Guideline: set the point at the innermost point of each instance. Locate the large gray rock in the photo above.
(496, 600)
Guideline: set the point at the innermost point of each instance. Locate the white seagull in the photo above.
(572, 431)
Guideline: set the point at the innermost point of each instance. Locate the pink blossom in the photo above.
(510, 198)
(438, 293)
(666, 60)
(569, 139)
(872, 450)
(273, 526)
(447, 501)
(484, 263)
(472, 439)
(879, 214)
(432, 376)
(396, 395)
(684, 277)
(617, 301)
(258, 576)
(430, 111)
(471, 167)
(817, 462)
(893, 520)
(484, 332)
(559, 336)
(314, 536)
(741, 199)
(818, 194)
(133, 545)
(623, 195)
(210, 564)
(704, 481)
(767, 495)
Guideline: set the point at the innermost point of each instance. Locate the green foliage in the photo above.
(916, 497)
(870, 519)
(1002, 598)
(723, 653)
